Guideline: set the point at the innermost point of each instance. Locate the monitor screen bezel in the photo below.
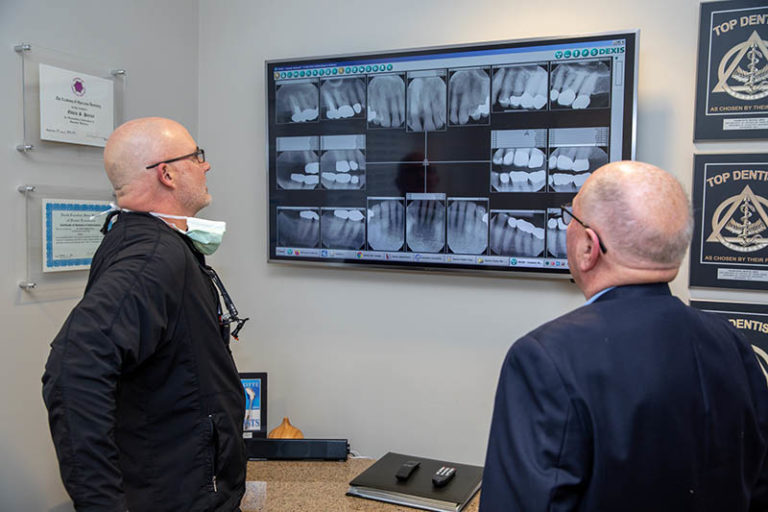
(629, 105)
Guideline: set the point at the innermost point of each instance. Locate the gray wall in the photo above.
(391, 360)
(157, 43)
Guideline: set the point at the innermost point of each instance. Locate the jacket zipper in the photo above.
(213, 453)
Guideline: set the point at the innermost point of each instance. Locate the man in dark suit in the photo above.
(634, 401)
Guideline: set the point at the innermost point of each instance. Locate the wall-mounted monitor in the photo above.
(451, 158)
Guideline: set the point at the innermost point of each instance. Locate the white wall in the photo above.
(399, 361)
(393, 361)
(157, 43)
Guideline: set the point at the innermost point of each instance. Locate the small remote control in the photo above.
(443, 475)
(407, 468)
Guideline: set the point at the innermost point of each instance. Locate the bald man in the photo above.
(633, 402)
(145, 402)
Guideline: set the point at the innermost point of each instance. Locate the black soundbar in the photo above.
(297, 449)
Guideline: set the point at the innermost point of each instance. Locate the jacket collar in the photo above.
(635, 290)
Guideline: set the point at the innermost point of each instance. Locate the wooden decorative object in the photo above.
(285, 431)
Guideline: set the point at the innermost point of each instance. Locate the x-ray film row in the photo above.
(422, 224)
(434, 99)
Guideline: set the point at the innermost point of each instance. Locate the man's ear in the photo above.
(588, 250)
(165, 175)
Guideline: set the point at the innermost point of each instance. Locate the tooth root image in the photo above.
(339, 231)
(386, 226)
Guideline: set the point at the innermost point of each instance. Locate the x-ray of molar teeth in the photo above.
(298, 227)
(343, 228)
(569, 167)
(556, 234)
(298, 170)
(517, 233)
(386, 101)
(425, 226)
(522, 87)
(469, 97)
(386, 225)
(580, 85)
(297, 102)
(343, 169)
(426, 104)
(518, 170)
(467, 226)
(343, 98)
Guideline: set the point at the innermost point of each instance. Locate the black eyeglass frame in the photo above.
(199, 154)
(568, 209)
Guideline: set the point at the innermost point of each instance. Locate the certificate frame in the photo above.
(729, 248)
(80, 109)
(37, 282)
(71, 233)
(749, 319)
(255, 422)
(731, 91)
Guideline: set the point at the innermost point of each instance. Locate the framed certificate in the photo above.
(732, 76)
(750, 319)
(71, 233)
(730, 206)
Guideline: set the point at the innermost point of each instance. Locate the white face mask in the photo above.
(205, 234)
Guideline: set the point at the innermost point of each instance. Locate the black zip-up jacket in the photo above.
(145, 403)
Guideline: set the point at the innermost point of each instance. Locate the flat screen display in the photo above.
(452, 158)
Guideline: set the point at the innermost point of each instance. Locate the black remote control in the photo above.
(443, 475)
(406, 469)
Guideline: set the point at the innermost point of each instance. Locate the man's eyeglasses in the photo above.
(199, 154)
(567, 212)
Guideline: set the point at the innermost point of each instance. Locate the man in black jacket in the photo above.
(145, 402)
(633, 402)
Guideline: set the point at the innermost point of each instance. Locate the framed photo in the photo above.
(732, 76)
(255, 388)
(71, 233)
(730, 209)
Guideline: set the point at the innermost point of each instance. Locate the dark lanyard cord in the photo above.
(231, 315)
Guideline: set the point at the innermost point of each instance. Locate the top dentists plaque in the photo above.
(732, 82)
(75, 108)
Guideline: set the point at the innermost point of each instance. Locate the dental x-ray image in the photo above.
(518, 170)
(580, 85)
(298, 170)
(343, 169)
(298, 227)
(386, 224)
(342, 98)
(518, 233)
(386, 101)
(425, 223)
(569, 167)
(297, 102)
(343, 228)
(426, 101)
(556, 230)
(521, 87)
(467, 225)
(469, 94)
